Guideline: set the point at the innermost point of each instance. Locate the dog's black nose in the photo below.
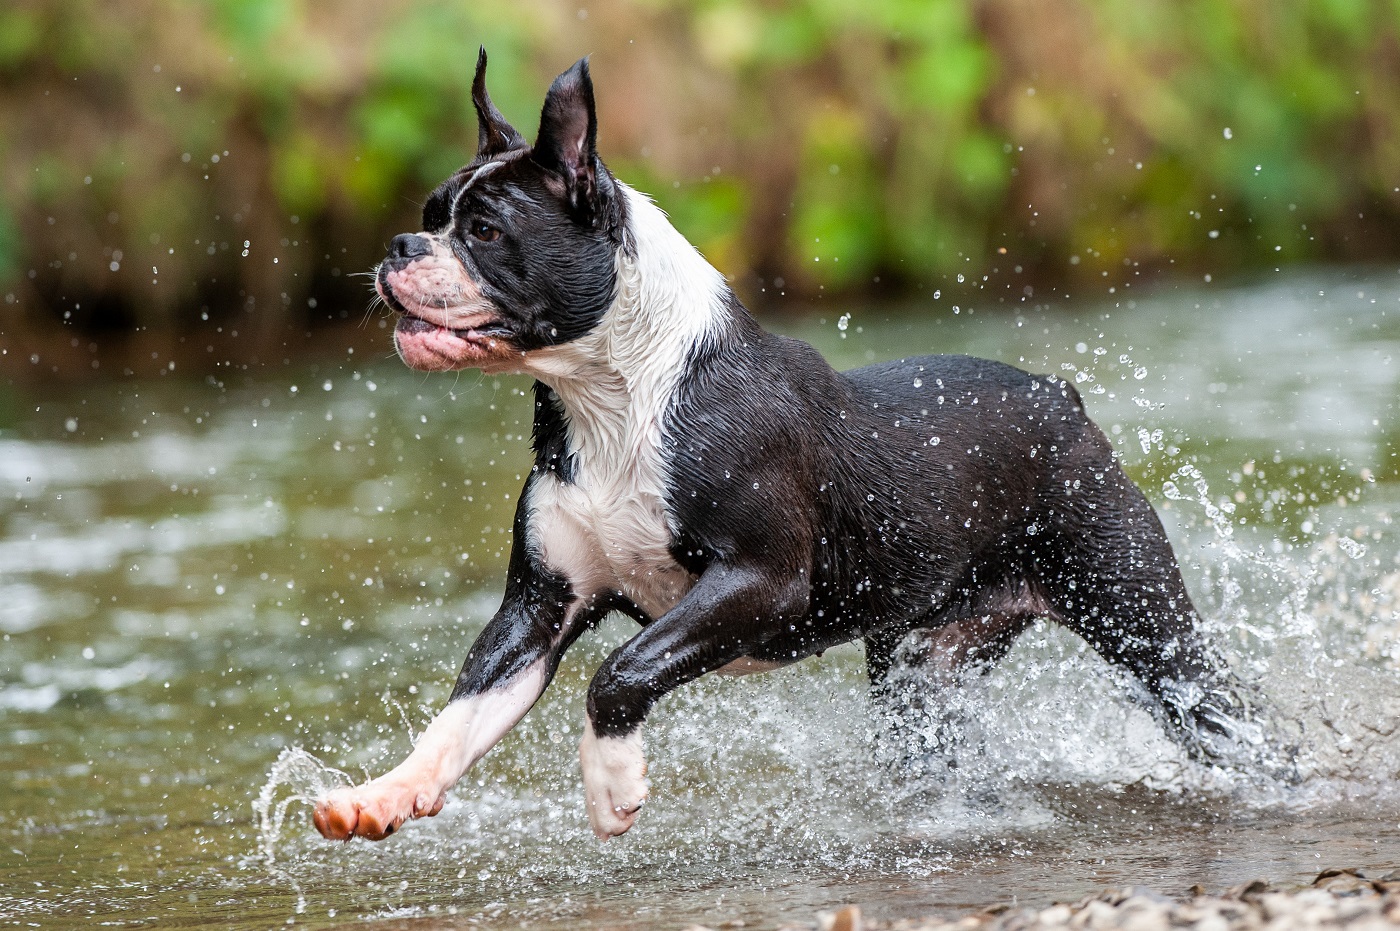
(407, 246)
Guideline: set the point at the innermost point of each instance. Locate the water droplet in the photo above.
(1352, 548)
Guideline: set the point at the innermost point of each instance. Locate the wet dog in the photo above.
(745, 503)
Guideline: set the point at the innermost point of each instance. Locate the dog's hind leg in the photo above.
(1109, 572)
(913, 672)
(944, 647)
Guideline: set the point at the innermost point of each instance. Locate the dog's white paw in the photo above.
(376, 809)
(614, 780)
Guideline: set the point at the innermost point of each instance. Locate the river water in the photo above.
(216, 593)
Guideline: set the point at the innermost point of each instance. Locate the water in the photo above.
(211, 591)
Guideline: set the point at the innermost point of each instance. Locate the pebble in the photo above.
(1349, 899)
(843, 919)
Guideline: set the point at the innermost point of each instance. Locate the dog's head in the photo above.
(518, 248)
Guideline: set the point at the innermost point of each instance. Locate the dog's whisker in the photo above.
(375, 302)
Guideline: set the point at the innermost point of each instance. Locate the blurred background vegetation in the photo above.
(204, 180)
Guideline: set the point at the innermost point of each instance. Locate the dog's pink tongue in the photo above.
(429, 347)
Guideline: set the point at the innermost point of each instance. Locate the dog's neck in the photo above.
(614, 383)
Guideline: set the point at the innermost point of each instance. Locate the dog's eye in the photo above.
(485, 232)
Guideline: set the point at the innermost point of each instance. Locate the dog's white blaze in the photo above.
(481, 172)
(614, 779)
(609, 529)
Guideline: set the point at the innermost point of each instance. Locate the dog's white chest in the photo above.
(607, 529)
(608, 536)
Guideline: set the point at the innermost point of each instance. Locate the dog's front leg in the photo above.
(730, 612)
(506, 671)
(455, 739)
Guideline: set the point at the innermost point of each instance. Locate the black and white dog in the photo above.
(746, 504)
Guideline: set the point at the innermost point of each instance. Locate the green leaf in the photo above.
(299, 175)
(980, 163)
(251, 23)
(20, 33)
(836, 230)
(11, 244)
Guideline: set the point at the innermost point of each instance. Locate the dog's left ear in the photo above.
(567, 144)
(493, 134)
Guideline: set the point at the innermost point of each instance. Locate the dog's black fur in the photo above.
(932, 507)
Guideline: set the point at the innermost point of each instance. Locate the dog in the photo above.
(747, 505)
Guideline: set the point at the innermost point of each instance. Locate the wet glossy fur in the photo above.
(726, 488)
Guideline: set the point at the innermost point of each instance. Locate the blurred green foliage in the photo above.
(165, 163)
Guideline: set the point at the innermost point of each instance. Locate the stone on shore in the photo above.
(1337, 899)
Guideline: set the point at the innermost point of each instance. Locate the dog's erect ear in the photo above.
(493, 134)
(567, 143)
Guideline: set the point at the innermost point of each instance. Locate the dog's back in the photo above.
(886, 482)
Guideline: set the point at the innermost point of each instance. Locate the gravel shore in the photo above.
(1352, 899)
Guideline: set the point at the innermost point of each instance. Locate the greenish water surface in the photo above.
(203, 581)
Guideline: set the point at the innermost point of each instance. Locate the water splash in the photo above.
(296, 777)
(1307, 625)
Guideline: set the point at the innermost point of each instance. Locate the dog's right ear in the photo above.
(567, 144)
(493, 134)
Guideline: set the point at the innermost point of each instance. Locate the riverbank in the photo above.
(1337, 898)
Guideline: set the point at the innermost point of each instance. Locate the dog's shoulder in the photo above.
(759, 377)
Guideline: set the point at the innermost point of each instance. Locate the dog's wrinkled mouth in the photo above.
(431, 347)
(410, 324)
(415, 317)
